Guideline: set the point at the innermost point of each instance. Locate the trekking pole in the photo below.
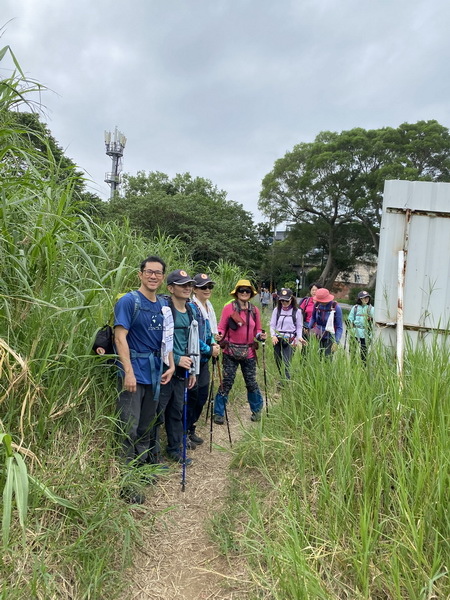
(210, 404)
(226, 412)
(210, 391)
(263, 344)
(346, 331)
(185, 403)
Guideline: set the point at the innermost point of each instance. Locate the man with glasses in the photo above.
(143, 343)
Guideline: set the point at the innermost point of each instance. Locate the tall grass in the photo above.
(344, 489)
(61, 272)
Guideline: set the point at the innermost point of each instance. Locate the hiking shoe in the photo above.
(219, 419)
(196, 439)
(178, 457)
(190, 445)
(256, 416)
(132, 496)
(159, 463)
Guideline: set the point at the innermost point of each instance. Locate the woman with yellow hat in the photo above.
(239, 327)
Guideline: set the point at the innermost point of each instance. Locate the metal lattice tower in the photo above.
(114, 149)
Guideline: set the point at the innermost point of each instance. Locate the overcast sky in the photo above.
(222, 88)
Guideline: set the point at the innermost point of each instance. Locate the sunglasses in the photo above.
(287, 301)
(208, 286)
(243, 291)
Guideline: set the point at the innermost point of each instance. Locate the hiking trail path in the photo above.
(178, 560)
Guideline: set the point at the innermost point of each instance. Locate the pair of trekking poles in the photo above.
(210, 402)
(209, 411)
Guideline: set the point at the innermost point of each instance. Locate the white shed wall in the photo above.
(424, 234)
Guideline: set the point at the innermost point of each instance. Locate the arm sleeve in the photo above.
(223, 323)
(312, 320)
(258, 329)
(205, 349)
(351, 316)
(338, 323)
(123, 311)
(299, 326)
(273, 322)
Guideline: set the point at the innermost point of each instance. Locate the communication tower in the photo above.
(114, 148)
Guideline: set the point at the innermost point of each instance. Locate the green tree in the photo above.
(337, 181)
(35, 134)
(196, 211)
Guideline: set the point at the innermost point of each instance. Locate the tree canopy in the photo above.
(194, 209)
(337, 181)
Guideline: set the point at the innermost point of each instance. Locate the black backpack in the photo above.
(104, 338)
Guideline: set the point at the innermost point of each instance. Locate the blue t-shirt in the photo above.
(144, 335)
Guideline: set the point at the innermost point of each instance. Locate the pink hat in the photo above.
(323, 296)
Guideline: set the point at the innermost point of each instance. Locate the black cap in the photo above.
(363, 294)
(202, 279)
(178, 277)
(285, 294)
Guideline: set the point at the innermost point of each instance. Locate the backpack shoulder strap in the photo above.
(163, 299)
(137, 306)
(294, 316)
(190, 311)
(303, 304)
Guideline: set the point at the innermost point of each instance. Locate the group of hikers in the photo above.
(294, 321)
(164, 344)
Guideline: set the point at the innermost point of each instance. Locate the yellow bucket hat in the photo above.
(243, 283)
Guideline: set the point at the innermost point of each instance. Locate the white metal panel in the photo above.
(424, 234)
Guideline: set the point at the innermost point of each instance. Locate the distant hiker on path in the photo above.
(326, 321)
(361, 320)
(143, 343)
(239, 326)
(286, 329)
(198, 395)
(265, 299)
(306, 305)
(274, 298)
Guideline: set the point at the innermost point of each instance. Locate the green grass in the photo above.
(345, 486)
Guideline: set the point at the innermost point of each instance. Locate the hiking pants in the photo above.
(283, 356)
(197, 397)
(170, 413)
(137, 412)
(325, 344)
(248, 368)
(363, 348)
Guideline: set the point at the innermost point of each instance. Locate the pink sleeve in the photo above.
(226, 313)
(257, 322)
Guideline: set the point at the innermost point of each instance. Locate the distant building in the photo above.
(359, 275)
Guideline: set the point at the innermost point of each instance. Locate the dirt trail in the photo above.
(179, 560)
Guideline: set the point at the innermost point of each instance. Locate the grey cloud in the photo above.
(223, 88)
